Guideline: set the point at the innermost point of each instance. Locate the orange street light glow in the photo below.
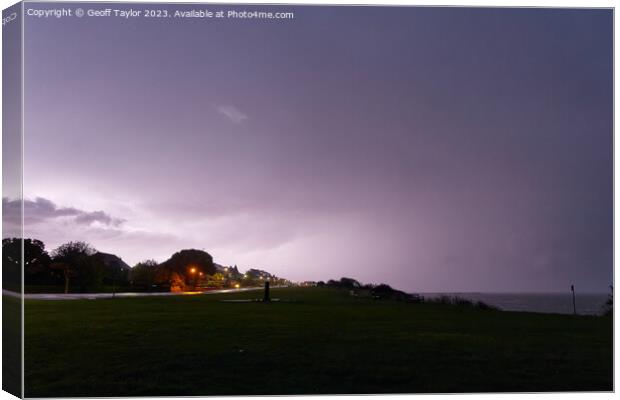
(192, 270)
(237, 286)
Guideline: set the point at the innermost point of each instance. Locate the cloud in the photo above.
(88, 218)
(232, 113)
(42, 210)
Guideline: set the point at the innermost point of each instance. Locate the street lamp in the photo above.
(192, 271)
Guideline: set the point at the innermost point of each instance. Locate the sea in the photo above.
(558, 303)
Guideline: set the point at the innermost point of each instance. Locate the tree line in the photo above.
(75, 264)
(78, 267)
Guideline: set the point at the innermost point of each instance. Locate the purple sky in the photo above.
(435, 149)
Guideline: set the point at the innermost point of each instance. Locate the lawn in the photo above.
(325, 342)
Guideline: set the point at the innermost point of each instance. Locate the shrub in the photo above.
(461, 302)
(484, 306)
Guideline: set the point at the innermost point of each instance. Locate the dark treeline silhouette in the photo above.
(78, 267)
(36, 263)
(459, 301)
(74, 265)
(378, 292)
(384, 291)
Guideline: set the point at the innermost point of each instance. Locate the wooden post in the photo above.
(572, 288)
(266, 297)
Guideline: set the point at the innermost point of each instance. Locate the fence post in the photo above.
(572, 288)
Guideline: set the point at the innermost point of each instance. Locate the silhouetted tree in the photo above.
(369, 286)
(11, 263)
(75, 261)
(115, 270)
(66, 270)
(36, 261)
(181, 263)
(143, 274)
(382, 289)
(349, 283)
(216, 280)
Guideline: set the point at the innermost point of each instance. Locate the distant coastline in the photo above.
(552, 302)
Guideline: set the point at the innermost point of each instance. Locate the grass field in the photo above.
(327, 342)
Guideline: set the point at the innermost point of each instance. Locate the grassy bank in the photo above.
(327, 342)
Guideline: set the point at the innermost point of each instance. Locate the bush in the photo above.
(484, 306)
(384, 291)
(462, 302)
(349, 283)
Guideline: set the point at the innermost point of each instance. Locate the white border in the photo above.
(472, 3)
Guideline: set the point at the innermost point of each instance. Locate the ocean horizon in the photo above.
(552, 302)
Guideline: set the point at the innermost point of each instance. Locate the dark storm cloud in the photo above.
(41, 210)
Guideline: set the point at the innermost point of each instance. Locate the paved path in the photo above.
(94, 296)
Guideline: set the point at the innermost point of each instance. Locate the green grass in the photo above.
(327, 342)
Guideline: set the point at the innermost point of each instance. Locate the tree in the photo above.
(216, 280)
(66, 271)
(74, 259)
(143, 274)
(36, 261)
(11, 263)
(116, 271)
(188, 264)
(349, 283)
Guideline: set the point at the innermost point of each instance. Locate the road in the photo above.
(95, 296)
